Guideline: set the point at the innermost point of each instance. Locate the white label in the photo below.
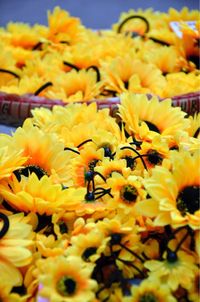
(176, 26)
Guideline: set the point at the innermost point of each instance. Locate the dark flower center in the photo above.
(152, 127)
(88, 252)
(148, 297)
(188, 200)
(115, 238)
(26, 171)
(63, 227)
(154, 157)
(130, 162)
(66, 286)
(171, 257)
(92, 164)
(129, 194)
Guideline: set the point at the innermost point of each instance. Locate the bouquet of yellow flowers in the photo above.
(97, 208)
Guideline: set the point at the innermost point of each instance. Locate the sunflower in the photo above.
(15, 248)
(187, 83)
(7, 296)
(11, 160)
(63, 27)
(75, 86)
(183, 15)
(127, 73)
(171, 269)
(139, 21)
(166, 58)
(194, 130)
(126, 191)
(143, 117)
(46, 157)
(154, 152)
(21, 35)
(194, 291)
(40, 196)
(66, 279)
(88, 246)
(150, 290)
(175, 193)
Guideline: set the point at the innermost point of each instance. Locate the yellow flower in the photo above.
(46, 157)
(76, 86)
(7, 296)
(88, 246)
(187, 83)
(40, 196)
(143, 117)
(183, 15)
(11, 160)
(126, 191)
(150, 290)
(127, 73)
(171, 270)
(63, 27)
(66, 279)
(175, 193)
(194, 129)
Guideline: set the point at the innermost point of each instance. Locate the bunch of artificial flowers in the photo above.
(100, 208)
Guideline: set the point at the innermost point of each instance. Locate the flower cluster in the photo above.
(97, 208)
(70, 62)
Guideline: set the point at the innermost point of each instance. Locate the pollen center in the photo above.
(66, 286)
(148, 297)
(129, 194)
(188, 200)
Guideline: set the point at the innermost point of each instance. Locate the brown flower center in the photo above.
(129, 194)
(188, 200)
(152, 127)
(154, 157)
(66, 286)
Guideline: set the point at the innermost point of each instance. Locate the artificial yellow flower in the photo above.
(40, 196)
(170, 270)
(143, 117)
(175, 193)
(150, 290)
(66, 279)
(47, 157)
(127, 73)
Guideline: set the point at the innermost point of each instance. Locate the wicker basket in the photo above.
(14, 109)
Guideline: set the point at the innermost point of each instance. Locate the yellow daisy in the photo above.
(143, 117)
(40, 196)
(75, 86)
(126, 191)
(46, 157)
(63, 27)
(66, 279)
(150, 290)
(175, 193)
(127, 73)
(170, 270)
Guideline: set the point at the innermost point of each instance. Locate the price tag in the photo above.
(176, 26)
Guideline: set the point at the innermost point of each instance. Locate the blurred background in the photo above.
(93, 13)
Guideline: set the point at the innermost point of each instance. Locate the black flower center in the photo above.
(129, 194)
(148, 297)
(188, 200)
(130, 162)
(152, 127)
(26, 171)
(154, 157)
(115, 238)
(88, 252)
(63, 227)
(171, 257)
(66, 286)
